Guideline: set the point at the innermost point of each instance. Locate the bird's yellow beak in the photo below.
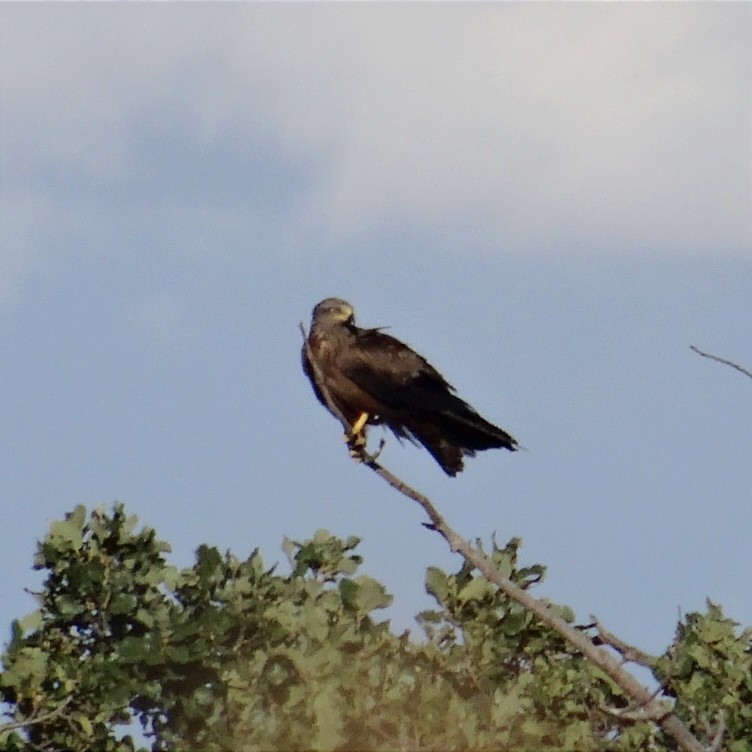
(345, 313)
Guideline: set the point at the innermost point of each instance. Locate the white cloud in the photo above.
(547, 124)
(604, 127)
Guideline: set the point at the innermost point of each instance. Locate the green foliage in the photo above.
(708, 669)
(229, 655)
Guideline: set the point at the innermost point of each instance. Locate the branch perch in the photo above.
(651, 707)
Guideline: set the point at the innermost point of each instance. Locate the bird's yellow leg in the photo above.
(357, 427)
(356, 437)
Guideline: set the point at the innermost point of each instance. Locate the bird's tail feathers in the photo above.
(447, 454)
(469, 430)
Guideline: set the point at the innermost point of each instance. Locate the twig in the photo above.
(657, 710)
(633, 713)
(722, 360)
(629, 652)
(318, 377)
(5, 727)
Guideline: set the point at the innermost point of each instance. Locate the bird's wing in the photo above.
(394, 374)
(415, 393)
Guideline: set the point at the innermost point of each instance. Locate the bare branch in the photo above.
(721, 360)
(654, 709)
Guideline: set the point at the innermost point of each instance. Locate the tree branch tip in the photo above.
(725, 361)
(629, 653)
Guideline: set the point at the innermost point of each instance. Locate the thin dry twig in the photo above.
(629, 652)
(653, 708)
(722, 360)
(35, 719)
(320, 381)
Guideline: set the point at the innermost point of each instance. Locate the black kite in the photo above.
(374, 379)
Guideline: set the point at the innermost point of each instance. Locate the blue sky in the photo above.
(550, 202)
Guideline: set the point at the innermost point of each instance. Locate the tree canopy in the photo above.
(232, 654)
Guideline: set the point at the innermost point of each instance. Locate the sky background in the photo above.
(549, 202)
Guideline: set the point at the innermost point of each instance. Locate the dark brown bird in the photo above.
(374, 379)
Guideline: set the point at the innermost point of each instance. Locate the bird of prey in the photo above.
(371, 378)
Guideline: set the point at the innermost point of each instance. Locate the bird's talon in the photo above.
(376, 454)
(355, 440)
(357, 454)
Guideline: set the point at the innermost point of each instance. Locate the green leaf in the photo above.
(84, 723)
(371, 595)
(28, 668)
(476, 590)
(67, 534)
(348, 565)
(289, 547)
(437, 584)
(31, 622)
(349, 591)
(123, 603)
(351, 542)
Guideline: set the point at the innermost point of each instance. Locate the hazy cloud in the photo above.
(537, 127)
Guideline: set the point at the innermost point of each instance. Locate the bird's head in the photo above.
(333, 311)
